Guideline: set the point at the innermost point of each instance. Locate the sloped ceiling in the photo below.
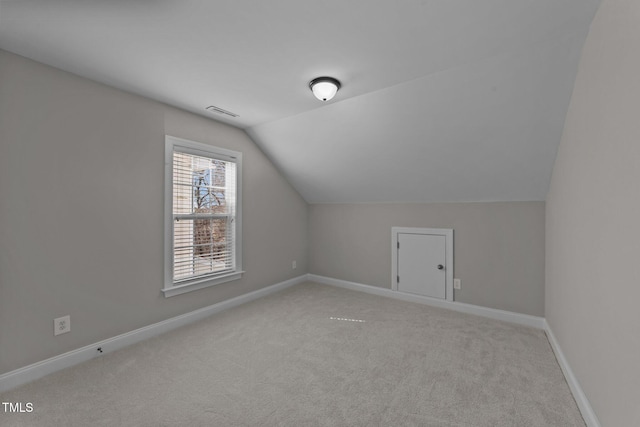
(442, 100)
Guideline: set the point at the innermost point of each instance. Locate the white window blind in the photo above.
(204, 214)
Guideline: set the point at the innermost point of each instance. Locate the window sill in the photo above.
(173, 290)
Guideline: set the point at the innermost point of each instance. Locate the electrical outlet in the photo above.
(62, 325)
(456, 283)
(294, 265)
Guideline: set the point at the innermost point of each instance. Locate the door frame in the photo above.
(446, 232)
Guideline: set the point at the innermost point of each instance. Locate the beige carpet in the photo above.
(298, 358)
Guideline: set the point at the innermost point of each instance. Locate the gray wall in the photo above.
(593, 227)
(81, 212)
(499, 247)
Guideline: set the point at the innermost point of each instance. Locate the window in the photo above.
(203, 231)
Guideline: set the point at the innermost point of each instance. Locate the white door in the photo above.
(422, 264)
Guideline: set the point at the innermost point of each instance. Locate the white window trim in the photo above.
(196, 148)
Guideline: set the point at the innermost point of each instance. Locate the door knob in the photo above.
(440, 267)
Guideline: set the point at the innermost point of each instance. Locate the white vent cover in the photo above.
(219, 110)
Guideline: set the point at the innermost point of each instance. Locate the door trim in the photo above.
(446, 232)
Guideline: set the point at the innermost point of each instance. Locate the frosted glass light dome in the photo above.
(324, 88)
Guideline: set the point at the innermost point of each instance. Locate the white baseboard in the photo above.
(507, 316)
(586, 410)
(37, 370)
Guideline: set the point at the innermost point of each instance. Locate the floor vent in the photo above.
(347, 320)
(219, 110)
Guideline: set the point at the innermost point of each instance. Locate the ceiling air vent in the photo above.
(219, 110)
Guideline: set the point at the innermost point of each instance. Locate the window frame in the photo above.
(186, 146)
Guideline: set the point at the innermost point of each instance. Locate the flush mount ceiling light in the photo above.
(324, 88)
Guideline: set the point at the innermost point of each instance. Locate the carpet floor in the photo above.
(315, 355)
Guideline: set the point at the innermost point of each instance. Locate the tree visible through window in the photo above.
(204, 214)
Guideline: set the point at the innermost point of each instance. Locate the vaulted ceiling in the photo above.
(442, 100)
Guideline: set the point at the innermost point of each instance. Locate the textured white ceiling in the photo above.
(442, 100)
